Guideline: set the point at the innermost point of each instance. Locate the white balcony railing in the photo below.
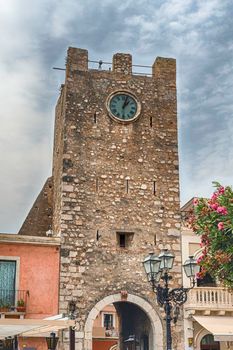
(210, 298)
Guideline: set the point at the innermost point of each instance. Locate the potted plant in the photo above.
(21, 305)
(4, 307)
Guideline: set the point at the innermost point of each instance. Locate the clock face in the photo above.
(123, 106)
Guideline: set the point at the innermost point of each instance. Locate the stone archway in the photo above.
(198, 337)
(156, 324)
(114, 347)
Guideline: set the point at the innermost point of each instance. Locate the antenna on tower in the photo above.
(100, 64)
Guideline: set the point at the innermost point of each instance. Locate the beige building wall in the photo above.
(207, 301)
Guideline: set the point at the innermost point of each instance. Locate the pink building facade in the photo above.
(29, 284)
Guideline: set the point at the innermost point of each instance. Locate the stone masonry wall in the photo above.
(114, 178)
(58, 149)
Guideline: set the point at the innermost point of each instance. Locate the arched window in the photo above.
(208, 343)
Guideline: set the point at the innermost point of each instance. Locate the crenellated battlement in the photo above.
(162, 68)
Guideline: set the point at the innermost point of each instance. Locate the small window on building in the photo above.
(124, 239)
(108, 321)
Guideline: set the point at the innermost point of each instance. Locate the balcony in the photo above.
(102, 332)
(13, 301)
(209, 300)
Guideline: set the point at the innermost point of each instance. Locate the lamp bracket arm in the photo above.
(178, 295)
(160, 291)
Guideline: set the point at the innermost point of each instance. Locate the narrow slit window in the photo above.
(155, 239)
(97, 235)
(151, 122)
(95, 118)
(154, 188)
(97, 184)
(127, 186)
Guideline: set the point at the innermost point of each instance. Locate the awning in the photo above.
(220, 326)
(10, 327)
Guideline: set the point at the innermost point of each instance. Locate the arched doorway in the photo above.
(135, 315)
(208, 343)
(134, 322)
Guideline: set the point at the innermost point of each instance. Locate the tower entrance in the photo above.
(123, 324)
(135, 329)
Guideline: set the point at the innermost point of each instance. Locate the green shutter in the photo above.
(7, 282)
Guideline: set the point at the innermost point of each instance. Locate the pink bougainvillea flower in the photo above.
(212, 220)
(221, 190)
(222, 210)
(214, 206)
(220, 226)
(200, 258)
(214, 196)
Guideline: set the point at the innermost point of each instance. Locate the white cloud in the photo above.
(36, 34)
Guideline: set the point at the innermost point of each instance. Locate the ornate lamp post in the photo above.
(9, 343)
(131, 342)
(71, 315)
(52, 341)
(157, 268)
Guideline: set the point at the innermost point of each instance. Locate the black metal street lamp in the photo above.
(131, 342)
(71, 315)
(52, 341)
(191, 268)
(157, 268)
(9, 343)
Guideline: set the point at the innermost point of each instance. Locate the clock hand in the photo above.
(126, 102)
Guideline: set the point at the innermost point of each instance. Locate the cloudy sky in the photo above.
(34, 38)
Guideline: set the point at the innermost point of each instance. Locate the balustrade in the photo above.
(210, 297)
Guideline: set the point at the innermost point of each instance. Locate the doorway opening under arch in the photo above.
(123, 324)
(132, 323)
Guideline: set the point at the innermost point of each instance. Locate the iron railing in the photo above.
(13, 300)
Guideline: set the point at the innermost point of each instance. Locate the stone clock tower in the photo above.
(116, 192)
